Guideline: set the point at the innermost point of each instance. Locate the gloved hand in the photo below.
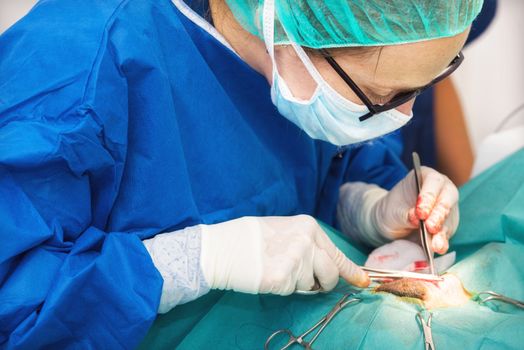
(273, 255)
(385, 216)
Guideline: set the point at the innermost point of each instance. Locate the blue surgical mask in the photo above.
(326, 115)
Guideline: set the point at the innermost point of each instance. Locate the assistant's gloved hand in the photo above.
(273, 255)
(376, 216)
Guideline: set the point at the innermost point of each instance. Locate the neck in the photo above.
(249, 47)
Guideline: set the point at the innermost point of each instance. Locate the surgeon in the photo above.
(150, 153)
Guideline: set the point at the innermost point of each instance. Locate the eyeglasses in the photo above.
(398, 99)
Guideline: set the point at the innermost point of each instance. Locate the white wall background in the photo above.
(490, 81)
(12, 10)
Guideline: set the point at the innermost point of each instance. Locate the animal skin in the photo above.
(446, 293)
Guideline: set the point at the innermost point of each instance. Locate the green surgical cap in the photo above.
(342, 23)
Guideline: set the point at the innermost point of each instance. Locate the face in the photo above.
(381, 73)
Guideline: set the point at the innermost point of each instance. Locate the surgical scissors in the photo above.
(320, 325)
(496, 296)
(426, 330)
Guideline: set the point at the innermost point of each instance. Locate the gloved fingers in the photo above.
(350, 271)
(347, 269)
(446, 200)
(282, 278)
(440, 241)
(306, 281)
(413, 219)
(304, 269)
(325, 270)
(452, 221)
(432, 184)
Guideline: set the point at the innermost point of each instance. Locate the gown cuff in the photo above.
(176, 255)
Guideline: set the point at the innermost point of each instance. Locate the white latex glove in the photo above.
(273, 255)
(382, 216)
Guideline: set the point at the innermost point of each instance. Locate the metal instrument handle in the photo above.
(424, 238)
(500, 297)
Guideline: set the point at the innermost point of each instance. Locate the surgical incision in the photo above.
(445, 293)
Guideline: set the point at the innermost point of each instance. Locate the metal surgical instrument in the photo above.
(426, 330)
(393, 274)
(496, 296)
(317, 288)
(422, 227)
(378, 274)
(320, 325)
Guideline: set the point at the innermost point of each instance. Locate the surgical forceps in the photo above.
(320, 325)
(378, 274)
(394, 274)
(496, 296)
(426, 330)
(422, 227)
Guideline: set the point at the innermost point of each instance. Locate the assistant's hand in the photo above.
(398, 213)
(273, 255)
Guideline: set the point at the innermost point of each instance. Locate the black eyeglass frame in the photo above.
(398, 99)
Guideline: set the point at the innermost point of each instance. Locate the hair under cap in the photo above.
(344, 23)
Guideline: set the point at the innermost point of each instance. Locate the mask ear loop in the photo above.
(306, 61)
(268, 29)
(319, 79)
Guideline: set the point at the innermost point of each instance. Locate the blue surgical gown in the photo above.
(119, 120)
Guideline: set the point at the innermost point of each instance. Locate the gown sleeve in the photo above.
(65, 281)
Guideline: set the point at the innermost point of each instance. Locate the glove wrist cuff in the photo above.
(357, 212)
(370, 217)
(231, 255)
